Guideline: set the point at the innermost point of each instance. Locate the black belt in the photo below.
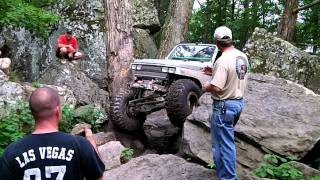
(228, 99)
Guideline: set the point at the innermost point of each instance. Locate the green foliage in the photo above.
(28, 14)
(90, 115)
(16, 121)
(36, 84)
(276, 167)
(127, 154)
(16, 124)
(211, 165)
(315, 178)
(243, 16)
(15, 77)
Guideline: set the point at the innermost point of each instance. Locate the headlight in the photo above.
(134, 67)
(165, 69)
(139, 67)
(172, 70)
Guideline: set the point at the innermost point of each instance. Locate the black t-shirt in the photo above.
(54, 156)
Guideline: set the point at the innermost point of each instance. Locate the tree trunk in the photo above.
(286, 28)
(245, 25)
(233, 6)
(176, 25)
(119, 43)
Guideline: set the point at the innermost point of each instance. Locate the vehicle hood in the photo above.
(193, 65)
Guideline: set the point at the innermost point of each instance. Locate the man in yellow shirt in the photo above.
(227, 89)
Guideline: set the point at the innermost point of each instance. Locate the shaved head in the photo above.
(43, 103)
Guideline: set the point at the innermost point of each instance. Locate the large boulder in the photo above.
(31, 55)
(66, 96)
(274, 56)
(84, 89)
(196, 142)
(144, 45)
(24, 50)
(307, 171)
(111, 154)
(87, 18)
(196, 139)
(145, 15)
(161, 134)
(156, 167)
(280, 116)
(10, 91)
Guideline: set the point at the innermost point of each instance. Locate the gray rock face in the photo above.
(307, 171)
(111, 153)
(280, 115)
(196, 142)
(196, 139)
(145, 15)
(201, 115)
(10, 91)
(86, 17)
(102, 138)
(277, 57)
(144, 45)
(161, 134)
(85, 91)
(31, 56)
(156, 167)
(24, 50)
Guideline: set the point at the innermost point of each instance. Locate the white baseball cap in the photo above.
(222, 33)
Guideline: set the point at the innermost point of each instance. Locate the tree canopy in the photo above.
(29, 14)
(243, 16)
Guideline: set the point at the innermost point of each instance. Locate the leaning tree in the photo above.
(287, 25)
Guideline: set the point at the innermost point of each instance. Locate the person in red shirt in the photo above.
(67, 47)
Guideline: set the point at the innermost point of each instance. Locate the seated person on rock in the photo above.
(67, 47)
(5, 64)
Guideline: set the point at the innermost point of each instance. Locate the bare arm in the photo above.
(89, 137)
(210, 88)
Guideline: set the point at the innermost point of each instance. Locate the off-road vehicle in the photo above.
(173, 83)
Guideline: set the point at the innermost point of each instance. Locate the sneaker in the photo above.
(63, 61)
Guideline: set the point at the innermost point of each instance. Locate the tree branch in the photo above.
(201, 5)
(306, 6)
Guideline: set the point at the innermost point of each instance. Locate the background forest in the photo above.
(301, 17)
(244, 15)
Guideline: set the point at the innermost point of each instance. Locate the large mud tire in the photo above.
(181, 98)
(120, 115)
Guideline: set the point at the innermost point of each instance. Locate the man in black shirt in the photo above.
(48, 153)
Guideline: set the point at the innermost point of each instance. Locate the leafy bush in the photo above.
(276, 167)
(126, 155)
(16, 121)
(27, 14)
(16, 124)
(88, 114)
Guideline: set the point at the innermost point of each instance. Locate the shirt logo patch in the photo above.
(241, 67)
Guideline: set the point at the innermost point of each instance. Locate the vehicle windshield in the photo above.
(193, 52)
